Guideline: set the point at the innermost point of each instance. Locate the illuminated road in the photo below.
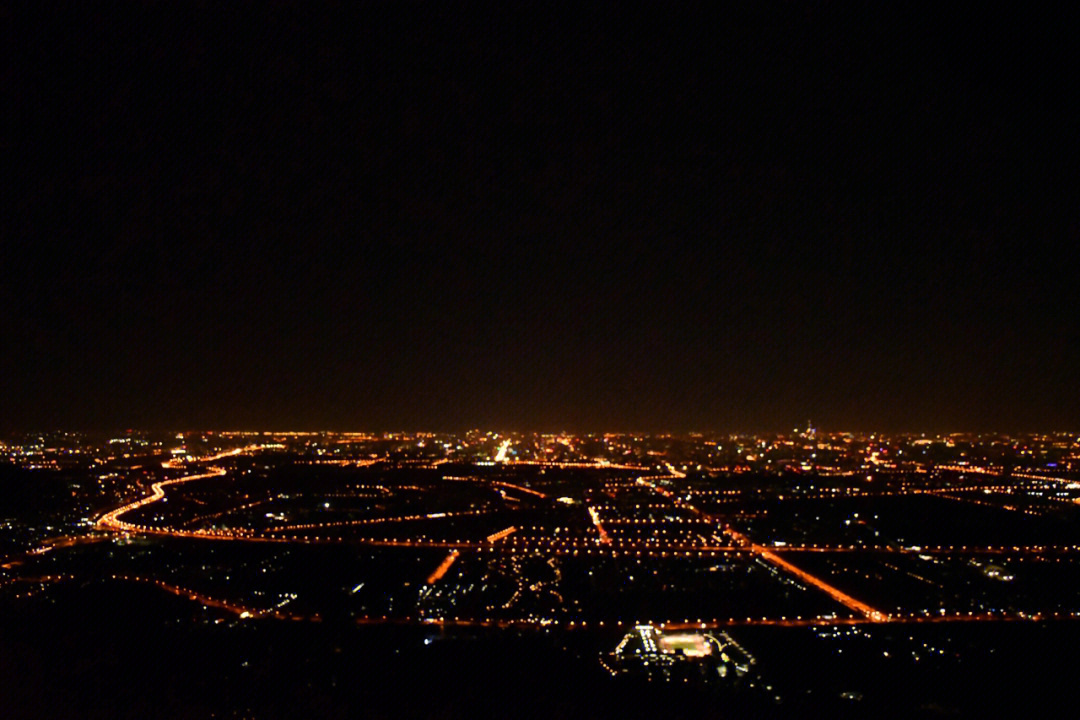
(443, 567)
(604, 539)
(114, 521)
(1015, 474)
(63, 541)
(501, 534)
(248, 611)
(771, 557)
(111, 520)
(511, 486)
(841, 597)
(672, 538)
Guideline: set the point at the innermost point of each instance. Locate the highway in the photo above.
(604, 539)
(243, 611)
(772, 558)
(443, 567)
(610, 541)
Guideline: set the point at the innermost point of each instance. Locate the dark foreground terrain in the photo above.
(113, 650)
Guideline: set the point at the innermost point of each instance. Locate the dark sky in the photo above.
(388, 216)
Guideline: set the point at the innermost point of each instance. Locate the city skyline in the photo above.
(484, 360)
(905, 571)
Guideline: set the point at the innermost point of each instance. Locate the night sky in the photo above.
(385, 216)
